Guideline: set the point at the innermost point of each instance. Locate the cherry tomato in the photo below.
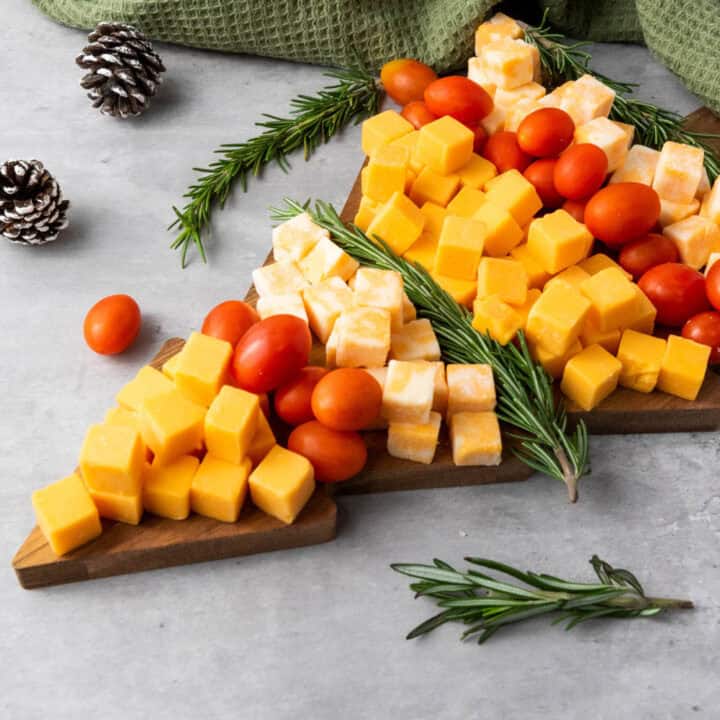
(712, 285)
(334, 455)
(405, 79)
(576, 208)
(540, 174)
(503, 151)
(230, 320)
(479, 139)
(622, 212)
(271, 353)
(112, 324)
(546, 132)
(347, 399)
(705, 329)
(292, 400)
(676, 290)
(580, 171)
(638, 256)
(459, 97)
(417, 114)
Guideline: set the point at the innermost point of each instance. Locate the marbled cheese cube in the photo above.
(608, 136)
(494, 316)
(408, 392)
(278, 278)
(639, 166)
(672, 212)
(641, 356)
(509, 98)
(695, 238)
(506, 63)
(518, 112)
(331, 345)
(409, 311)
(683, 367)
(398, 223)
(363, 337)
(712, 259)
(476, 172)
(704, 186)
(380, 289)
(379, 374)
(414, 441)
(475, 438)
(499, 26)
(285, 304)
(323, 304)
(678, 172)
(383, 128)
(295, 238)
(477, 74)
(583, 99)
(494, 121)
(471, 388)
(590, 376)
(711, 203)
(324, 261)
(415, 341)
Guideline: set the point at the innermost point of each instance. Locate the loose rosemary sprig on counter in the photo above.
(525, 395)
(562, 60)
(486, 604)
(313, 120)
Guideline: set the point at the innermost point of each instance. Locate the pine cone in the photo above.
(124, 69)
(32, 209)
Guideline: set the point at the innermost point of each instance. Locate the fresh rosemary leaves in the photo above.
(485, 604)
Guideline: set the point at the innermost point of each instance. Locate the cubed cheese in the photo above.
(112, 459)
(714, 257)
(367, 209)
(639, 166)
(414, 441)
(170, 366)
(506, 63)
(327, 260)
(554, 363)
(494, 316)
(409, 391)
(323, 304)
(119, 506)
(409, 311)
(295, 238)
(583, 99)
(278, 278)
(641, 356)
(476, 172)
(508, 98)
(285, 304)
(556, 319)
(533, 294)
(516, 194)
(475, 438)
(503, 277)
(501, 232)
(497, 27)
(573, 277)
(434, 217)
(430, 186)
(203, 367)
(230, 423)
(379, 374)
(592, 335)
(409, 142)
(466, 203)
(263, 441)
(537, 277)
(612, 298)
(711, 203)
(166, 489)
(695, 238)
(590, 376)
(383, 128)
(385, 173)
(608, 136)
(460, 248)
(363, 337)
(678, 172)
(643, 319)
(514, 116)
(494, 121)
(558, 241)
(477, 74)
(398, 223)
(423, 251)
(672, 212)
(381, 289)
(147, 383)
(415, 341)
(462, 291)
(219, 487)
(440, 391)
(595, 263)
(683, 367)
(445, 145)
(471, 388)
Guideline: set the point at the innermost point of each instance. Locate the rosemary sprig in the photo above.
(485, 604)
(313, 120)
(525, 395)
(562, 61)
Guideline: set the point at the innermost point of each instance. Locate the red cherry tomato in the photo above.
(230, 320)
(580, 171)
(479, 139)
(546, 132)
(638, 256)
(705, 329)
(112, 324)
(676, 290)
(540, 174)
(712, 283)
(417, 114)
(292, 400)
(576, 208)
(503, 151)
(405, 79)
(459, 97)
(271, 353)
(347, 399)
(334, 455)
(622, 212)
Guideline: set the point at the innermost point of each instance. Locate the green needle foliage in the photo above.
(485, 604)
(313, 120)
(562, 61)
(525, 394)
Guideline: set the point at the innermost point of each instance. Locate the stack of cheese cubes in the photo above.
(179, 440)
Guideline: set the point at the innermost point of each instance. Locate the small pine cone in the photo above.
(32, 209)
(124, 70)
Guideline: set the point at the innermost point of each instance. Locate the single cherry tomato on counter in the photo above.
(417, 114)
(230, 320)
(459, 97)
(271, 353)
(580, 171)
(347, 399)
(546, 132)
(405, 79)
(576, 208)
(540, 174)
(334, 455)
(638, 256)
(293, 399)
(503, 151)
(704, 328)
(112, 324)
(712, 285)
(622, 212)
(676, 290)
(479, 139)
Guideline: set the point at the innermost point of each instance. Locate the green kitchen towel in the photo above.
(684, 35)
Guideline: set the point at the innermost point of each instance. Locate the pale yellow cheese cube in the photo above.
(323, 304)
(379, 374)
(518, 112)
(506, 63)
(414, 441)
(331, 345)
(295, 238)
(608, 136)
(285, 304)
(440, 390)
(327, 260)
(712, 259)
(471, 388)
(278, 278)
(639, 166)
(704, 186)
(409, 311)
(409, 391)
(695, 238)
(475, 438)
(583, 99)
(711, 203)
(476, 73)
(363, 337)
(380, 289)
(508, 98)
(499, 26)
(672, 212)
(415, 341)
(678, 172)
(494, 121)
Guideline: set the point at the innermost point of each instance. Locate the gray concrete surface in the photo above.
(312, 633)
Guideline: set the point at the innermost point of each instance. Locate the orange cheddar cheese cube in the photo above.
(501, 232)
(557, 241)
(409, 142)
(328, 260)
(460, 248)
(506, 278)
(599, 261)
(423, 250)
(434, 217)
(282, 484)
(219, 487)
(683, 367)
(462, 291)
(415, 340)
(123, 416)
(145, 384)
(324, 303)
(112, 459)
(494, 316)
(638, 166)
(284, 304)
(592, 335)
(383, 128)
(466, 203)
(119, 506)
(537, 277)
(203, 367)
(516, 194)
(471, 388)
(672, 212)
(695, 238)
(573, 277)
(445, 145)
(381, 289)
(363, 337)
(431, 186)
(263, 441)
(678, 172)
(612, 139)
(408, 391)
(367, 209)
(398, 223)
(414, 441)
(590, 376)
(641, 357)
(643, 319)
(553, 363)
(66, 514)
(475, 438)
(295, 238)
(507, 64)
(556, 319)
(170, 366)
(279, 277)
(612, 298)
(166, 488)
(476, 172)
(497, 27)
(385, 173)
(230, 423)
(533, 294)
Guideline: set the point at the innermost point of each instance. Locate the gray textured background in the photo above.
(313, 632)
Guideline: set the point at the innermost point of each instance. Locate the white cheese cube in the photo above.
(285, 304)
(414, 441)
(471, 388)
(324, 302)
(608, 136)
(278, 278)
(583, 99)
(672, 212)
(475, 438)
(379, 373)
(331, 346)
(508, 64)
(408, 392)
(519, 112)
(714, 257)
(704, 186)
(497, 27)
(494, 121)
(327, 260)
(678, 172)
(440, 390)
(476, 73)
(363, 337)
(639, 166)
(507, 98)
(380, 289)
(409, 312)
(710, 207)
(415, 341)
(295, 238)
(695, 238)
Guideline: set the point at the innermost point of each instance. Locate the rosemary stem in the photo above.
(640, 603)
(569, 477)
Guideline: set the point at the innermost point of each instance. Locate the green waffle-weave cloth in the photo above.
(682, 34)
